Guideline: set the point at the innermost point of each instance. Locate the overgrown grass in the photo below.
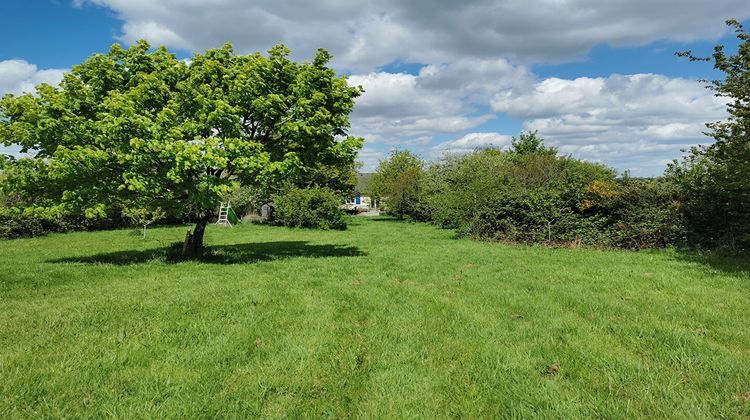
(384, 320)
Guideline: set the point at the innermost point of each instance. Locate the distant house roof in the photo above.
(362, 179)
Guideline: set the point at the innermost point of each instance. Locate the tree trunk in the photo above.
(194, 241)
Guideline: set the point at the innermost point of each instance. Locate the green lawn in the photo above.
(383, 320)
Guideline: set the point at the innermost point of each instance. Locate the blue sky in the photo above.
(54, 34)
(601, 82)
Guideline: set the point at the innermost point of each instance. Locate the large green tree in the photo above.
(715, 179)
(140, 132)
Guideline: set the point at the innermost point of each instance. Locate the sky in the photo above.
(597, 79)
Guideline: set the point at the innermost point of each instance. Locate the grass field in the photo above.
(384, 320)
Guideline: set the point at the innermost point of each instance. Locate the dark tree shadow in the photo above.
(738, 264)
(222, 254)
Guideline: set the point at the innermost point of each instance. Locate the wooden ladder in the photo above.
(223, 215)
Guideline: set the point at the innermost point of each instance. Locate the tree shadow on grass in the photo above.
(221, 254)
(728, 263)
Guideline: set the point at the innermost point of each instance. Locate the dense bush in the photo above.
(14, 226)
(529, 194)
(26, 209)
(716, 200)
(15, 223)
(314, 207)
(647, 214)
(527, 197)
(637, 213)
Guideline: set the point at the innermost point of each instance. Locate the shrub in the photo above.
(647, 213)
(13, 226)
(17, 223)
(528, 196)
(315, 207)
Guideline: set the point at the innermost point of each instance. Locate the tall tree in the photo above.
(398, 181)
(141, 132)
(715, 179)
(530, 143)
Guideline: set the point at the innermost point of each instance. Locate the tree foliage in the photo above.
(139, 131)
(715, 179)
(398, 181)
(530, 143)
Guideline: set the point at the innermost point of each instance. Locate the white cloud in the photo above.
(634, 122)
(478, 55)
(19, 76)
(631, 122)
(157, 31)
(370, 158)
(442, 98)
(471, 142)
(365, 34)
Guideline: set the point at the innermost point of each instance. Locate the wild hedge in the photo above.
(314, 207)
(532, 195)
(17, 223)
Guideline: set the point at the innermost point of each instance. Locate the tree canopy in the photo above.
(140, 132)
(715, 179)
